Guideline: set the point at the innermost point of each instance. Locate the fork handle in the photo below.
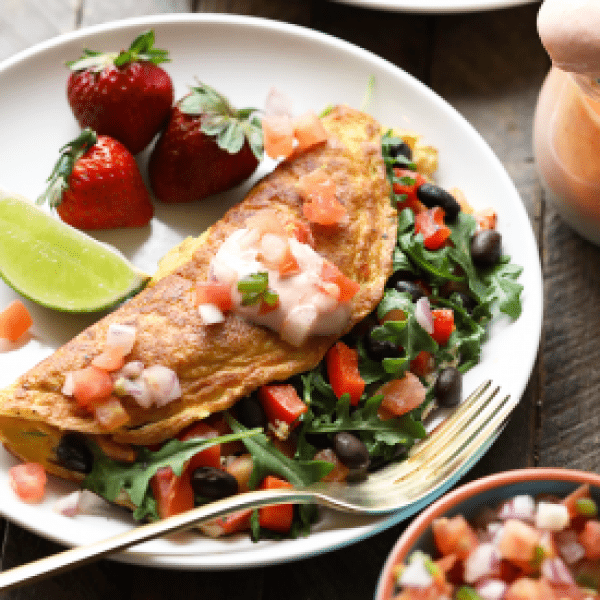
(81, 555)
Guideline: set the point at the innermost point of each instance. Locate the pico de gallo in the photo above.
(527, 548)
(359, 409)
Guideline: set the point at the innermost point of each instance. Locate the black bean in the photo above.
(351, 451)
(213, 484)
(400, 275)
(467, 302)
(448, 387)
(401, 149)
(486, 247)
(410, 287)
(250, 412)
(377, 350)
(73, 453)
(432, 195)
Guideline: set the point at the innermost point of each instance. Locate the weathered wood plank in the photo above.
(490, 66)
(101, 11)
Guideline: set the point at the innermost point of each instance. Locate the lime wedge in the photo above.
(58, 266)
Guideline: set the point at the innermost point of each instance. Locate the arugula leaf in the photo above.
(267, 460)
(109, 478)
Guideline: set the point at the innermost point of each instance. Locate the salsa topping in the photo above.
(280, 282)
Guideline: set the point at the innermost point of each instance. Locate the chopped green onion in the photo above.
(255, 289)
(586, 507)
(467, 593)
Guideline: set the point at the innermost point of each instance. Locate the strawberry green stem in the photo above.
(58, 181)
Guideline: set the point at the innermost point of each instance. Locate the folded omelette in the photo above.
(220, 363)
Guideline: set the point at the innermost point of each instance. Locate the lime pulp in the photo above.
(58, 266)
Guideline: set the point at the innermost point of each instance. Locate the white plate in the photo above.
(244, 58)
(436, 6)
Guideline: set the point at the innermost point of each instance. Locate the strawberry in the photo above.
(206, 147)
(125, 95)
(96, 184)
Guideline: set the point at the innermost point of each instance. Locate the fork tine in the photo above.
(467, 442)
(445, 433)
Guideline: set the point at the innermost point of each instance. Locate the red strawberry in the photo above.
(125, 95)
(207, 147)
(96, 184)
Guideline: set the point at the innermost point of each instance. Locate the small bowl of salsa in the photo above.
(527, 534)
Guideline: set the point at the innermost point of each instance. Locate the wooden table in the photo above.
(489, 65)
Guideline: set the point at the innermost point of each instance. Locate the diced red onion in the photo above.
(324, 303)
(554, 517)
(210, 314)
(520, 507)
(68, 505)
(298, 323)
(278, 103)
(484, 561)
(132, 369)
(163, 384)
(496, 531)
(137, 388)
(568, 547)
(556, 572)
(415, 574)
(79, 502)
(68, 387)
(491, 589)
(273, 247)
(423, 314)
(120, 336)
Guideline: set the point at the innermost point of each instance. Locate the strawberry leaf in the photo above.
(141, 49)
(230, 127)
(58, 181)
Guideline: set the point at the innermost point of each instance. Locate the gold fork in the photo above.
(431, 463)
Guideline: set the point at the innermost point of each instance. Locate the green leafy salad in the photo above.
(457, 281)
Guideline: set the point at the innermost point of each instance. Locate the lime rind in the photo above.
(58, 266)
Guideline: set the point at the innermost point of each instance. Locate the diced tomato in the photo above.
(28, 480)
(443, 325)
(241, 468)
(110, 413)
(309, 131)
(422, 364)
(301, 231)
(411, 181)
(402, 395)
(277, 517)
(526, 588)
(110, 359)
(321, 206)
(265, 221)
(343, 373)
(348, 287)
(232, 523)
(278, 136)
(430, 223)
(91, 385)
(340, 470)
(589, 538)
(288, 265)
(454, 536)
(15, 320)
(486, 218)
(173, 494)
(210, 457)
(281, 403)
(218, 294)
(519, 541)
